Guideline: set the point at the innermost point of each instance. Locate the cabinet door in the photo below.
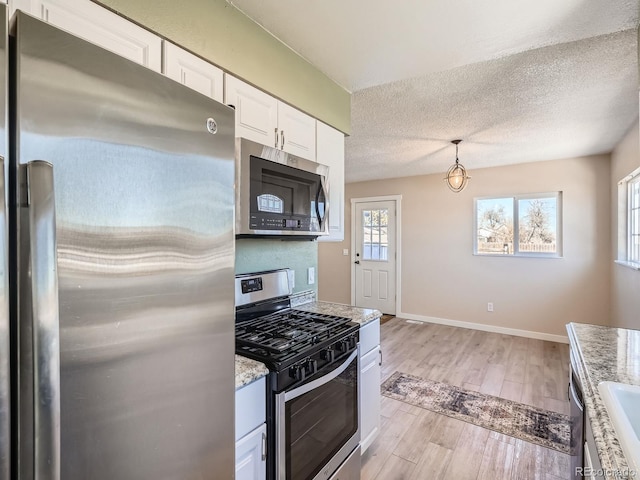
(369, 397)
(256, 112)
(87, 20)
(251, 460)
(297, 132)
(330, 151)
(192, 71)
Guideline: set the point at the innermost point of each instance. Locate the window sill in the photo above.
(631, 265)
(520, 255)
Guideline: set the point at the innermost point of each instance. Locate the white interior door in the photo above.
(374, 252)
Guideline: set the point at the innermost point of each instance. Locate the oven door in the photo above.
(318, 423)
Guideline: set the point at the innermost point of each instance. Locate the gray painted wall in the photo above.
(258, 254)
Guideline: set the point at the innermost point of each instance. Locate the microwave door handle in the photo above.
(45, 318)
(321, 189)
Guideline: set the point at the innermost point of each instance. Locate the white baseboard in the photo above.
(486, 328)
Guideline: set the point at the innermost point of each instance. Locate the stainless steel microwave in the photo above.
(279, 194)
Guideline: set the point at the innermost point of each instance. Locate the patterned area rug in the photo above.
(535, 425)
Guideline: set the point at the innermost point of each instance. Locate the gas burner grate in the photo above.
(287, 331)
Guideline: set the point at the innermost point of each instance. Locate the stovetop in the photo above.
(286, 336)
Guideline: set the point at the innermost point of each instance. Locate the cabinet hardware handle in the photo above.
(380, 351)
(281, 139)
(276, 133)
(264, 446)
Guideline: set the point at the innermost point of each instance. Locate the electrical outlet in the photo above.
(345, 252)
(311, 275)
(490, 307)
(292, 278)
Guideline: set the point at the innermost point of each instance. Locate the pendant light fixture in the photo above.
(457, 177)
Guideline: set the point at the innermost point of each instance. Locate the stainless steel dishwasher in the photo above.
(576, 401)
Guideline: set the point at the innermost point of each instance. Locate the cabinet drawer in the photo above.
(369, 336)
(251, 407)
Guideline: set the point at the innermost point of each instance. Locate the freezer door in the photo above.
(143, 177)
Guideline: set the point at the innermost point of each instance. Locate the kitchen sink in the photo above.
(622, 402)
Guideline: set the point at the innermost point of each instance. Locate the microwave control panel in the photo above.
(264, 221)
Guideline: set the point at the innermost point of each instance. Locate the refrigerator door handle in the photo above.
(4, 332)
(46, 334)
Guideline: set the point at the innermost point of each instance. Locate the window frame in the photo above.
(625, 221)
(516, 225)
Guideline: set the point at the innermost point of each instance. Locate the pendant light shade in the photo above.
(457, 177)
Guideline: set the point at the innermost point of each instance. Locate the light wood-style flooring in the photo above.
(417, 444)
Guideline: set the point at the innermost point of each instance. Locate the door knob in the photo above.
(357, 262)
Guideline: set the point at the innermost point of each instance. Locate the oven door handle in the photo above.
(302, 389)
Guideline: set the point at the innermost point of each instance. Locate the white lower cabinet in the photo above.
(251, 455)
(370, 362)
(251, 431)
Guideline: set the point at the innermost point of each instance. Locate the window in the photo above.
(629, 220)
(375, 240)
(534, 220)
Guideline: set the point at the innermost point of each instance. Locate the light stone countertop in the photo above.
(605, 354)
(358, 315)
(248, 371)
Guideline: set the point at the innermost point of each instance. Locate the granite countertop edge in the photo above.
(248, 371)
(359, 315)
(612, 458)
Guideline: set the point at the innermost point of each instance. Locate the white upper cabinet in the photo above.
(266, 120)
(87, 20)
(256, 112)
(330, 151)
(297, 132)
(192, 71)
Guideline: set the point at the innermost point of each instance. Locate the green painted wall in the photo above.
(218, 32)
(258, 254)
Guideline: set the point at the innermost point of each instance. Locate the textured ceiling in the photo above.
(517, 81)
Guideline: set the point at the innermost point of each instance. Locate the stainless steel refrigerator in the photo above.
(117, 268)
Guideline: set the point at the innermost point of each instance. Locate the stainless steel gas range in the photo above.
(313, 386)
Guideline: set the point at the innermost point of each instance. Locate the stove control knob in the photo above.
(311, 366)
(297, 372)
(353, 342)
(327, 355)
(343, 345)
